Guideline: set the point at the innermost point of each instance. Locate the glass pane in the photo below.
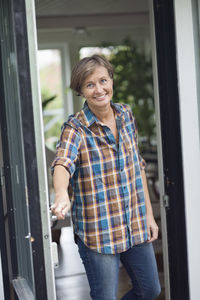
(51, 91)
(17, 202)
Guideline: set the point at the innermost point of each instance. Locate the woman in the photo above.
(97, 157)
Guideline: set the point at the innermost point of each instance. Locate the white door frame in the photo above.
(1, 281)
(188, 68)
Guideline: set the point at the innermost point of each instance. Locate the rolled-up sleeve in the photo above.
(67, 149)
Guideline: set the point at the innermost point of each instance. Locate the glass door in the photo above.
(24, 192)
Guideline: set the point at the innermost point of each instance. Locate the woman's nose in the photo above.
(98, 88)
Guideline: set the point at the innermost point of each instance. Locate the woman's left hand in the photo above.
(152, 228)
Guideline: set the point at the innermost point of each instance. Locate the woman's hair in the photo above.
(86, 67)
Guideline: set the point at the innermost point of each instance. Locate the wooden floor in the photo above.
(71, 280)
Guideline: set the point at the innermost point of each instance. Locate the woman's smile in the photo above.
(100, 97)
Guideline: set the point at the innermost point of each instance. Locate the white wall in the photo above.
(187, 82)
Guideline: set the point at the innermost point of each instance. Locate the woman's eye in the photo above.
(90, 85)
(103, 80)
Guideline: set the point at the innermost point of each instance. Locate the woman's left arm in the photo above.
(152, 227)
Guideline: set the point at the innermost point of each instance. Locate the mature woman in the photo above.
(99, 173)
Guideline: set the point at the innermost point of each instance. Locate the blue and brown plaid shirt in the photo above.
(107, 197)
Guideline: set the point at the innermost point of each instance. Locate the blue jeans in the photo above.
(102, 272)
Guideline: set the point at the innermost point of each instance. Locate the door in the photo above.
(26, 240)
(170, 152)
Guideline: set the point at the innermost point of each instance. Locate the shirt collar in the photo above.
(90, 117)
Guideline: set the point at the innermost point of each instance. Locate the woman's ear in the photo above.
(81, 94)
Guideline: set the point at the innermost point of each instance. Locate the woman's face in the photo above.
(98, 88)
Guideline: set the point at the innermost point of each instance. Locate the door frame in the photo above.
(172, 184)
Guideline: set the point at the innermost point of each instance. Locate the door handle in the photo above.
(53, 218)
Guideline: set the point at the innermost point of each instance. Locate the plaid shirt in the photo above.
(107, 197)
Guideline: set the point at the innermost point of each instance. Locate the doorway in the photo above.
(103, 27)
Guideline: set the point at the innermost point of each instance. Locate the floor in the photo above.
(71, 280)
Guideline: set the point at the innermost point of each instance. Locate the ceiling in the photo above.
(52, 14)
(89, 22)
(89, 7)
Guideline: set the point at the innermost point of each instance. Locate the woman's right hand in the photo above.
(61, 181)
(61, 205)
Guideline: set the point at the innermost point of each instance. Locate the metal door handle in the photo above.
(53, 218)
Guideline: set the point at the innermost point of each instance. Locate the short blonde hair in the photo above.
(86, 67)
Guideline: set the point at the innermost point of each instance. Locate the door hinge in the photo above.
(2, 174)
(166, 201)
(54, 249)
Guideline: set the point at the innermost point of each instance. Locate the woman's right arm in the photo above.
(61, 181)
